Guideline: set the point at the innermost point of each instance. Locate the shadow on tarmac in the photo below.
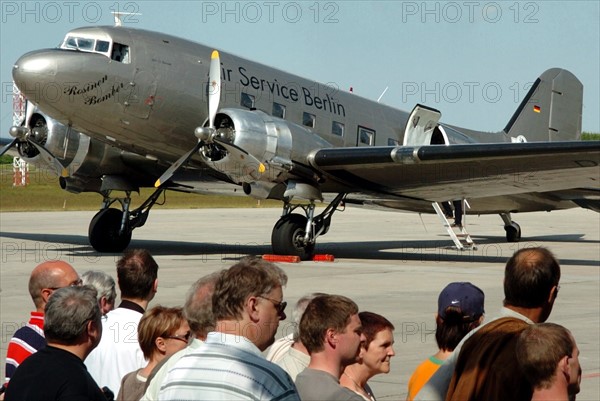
(489, 249)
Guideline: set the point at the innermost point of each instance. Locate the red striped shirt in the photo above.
(26, 341)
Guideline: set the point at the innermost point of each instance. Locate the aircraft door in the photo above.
(420, 125)
(142, 96)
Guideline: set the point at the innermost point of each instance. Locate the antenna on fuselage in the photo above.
(119, 14)
(382, 93)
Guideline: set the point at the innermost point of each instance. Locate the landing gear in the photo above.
(105, 232)
(288, 237)
(513, 230)
(295, 234)
(110, 229)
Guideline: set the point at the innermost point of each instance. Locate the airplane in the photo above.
(113, 109)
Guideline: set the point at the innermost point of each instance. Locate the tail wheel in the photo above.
(288, 237)
(104, 232)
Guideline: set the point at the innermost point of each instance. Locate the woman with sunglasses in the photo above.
(162, 332)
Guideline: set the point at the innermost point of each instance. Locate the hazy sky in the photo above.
(472, 60)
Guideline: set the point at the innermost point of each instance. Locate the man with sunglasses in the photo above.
(247, 305)
(46, 278)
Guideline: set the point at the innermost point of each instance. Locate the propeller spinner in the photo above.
(23, 134)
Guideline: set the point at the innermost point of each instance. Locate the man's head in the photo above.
(137, 273)
(332, 322)
(72, 317)
(531, 280)
(104, 285)
(546, 350)
(49, 276)
(250, 292)
(198, 305)
(298, 311)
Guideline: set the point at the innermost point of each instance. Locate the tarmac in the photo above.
(394, 264)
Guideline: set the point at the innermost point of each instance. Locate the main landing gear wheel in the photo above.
(513, 232)
(105, 231)
(288, 237)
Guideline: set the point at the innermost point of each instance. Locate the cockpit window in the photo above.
(102, 46)
(120, 53)
(85, 44)
(70, 43)
(115, 51)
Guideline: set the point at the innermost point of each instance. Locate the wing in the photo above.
(439, 173)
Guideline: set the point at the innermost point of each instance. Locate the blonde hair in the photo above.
(159, 321)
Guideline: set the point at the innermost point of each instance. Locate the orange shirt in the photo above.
(421, 375)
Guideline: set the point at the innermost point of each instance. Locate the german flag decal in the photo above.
(537, 109)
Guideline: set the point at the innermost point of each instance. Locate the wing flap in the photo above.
(438, 173)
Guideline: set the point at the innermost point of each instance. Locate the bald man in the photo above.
(46, 278)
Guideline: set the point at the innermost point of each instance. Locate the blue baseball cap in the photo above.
(464, 296)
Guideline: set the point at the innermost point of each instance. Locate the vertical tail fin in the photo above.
(551, 111)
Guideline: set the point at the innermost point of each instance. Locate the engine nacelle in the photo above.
(85, 159)
(281, 146)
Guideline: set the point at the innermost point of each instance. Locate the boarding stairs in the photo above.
(462, 239)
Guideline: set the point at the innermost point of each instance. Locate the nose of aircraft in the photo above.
(34, 68)
(33, 73)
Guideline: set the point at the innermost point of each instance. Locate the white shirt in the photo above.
(227, 367)
(153, 387)
(280, 347)
(119, 351)
(293, 362)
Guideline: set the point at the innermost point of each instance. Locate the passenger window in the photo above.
(308, 120)
(278, 110)
(366, 136)
(337, 128)
(247, 101)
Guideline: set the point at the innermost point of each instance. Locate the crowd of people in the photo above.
(80, 345)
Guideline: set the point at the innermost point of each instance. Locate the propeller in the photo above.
(52, 161)
(239, 157)
(23, 134)
(202, 133)
(7, 147)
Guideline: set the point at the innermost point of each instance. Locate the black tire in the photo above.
(104, 229)
(513, 232)
(287, 235)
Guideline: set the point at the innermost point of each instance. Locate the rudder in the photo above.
(551, 110)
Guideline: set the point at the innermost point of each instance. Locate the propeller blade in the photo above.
(7, 147)
(52, 161)
(214, 97)
(175, 166)
(248, 164)
(214, 91)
